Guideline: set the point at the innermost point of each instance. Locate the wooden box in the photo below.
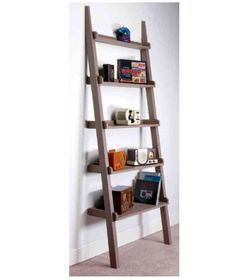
(117, 159)
(122, 198)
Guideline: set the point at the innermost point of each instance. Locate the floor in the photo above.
(145, 257)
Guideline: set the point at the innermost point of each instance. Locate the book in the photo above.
(131, 71)
(147, 188)
(149, 176)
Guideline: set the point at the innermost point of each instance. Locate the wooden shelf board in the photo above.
(116, 83)
(137, 209)
(95, 168)
(130, 85)
(112, 125)
(112, 40)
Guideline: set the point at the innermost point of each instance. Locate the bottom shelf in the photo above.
(138, 208)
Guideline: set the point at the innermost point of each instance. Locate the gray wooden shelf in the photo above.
(95, 168)
(112, 125)
(116, 83)
(112, 40)
(138, 208)
(130, 85)
(97, 84)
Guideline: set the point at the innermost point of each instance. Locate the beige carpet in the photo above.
(145, 257)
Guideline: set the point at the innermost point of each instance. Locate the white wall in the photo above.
(88, 234)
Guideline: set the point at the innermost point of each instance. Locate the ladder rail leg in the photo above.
(102, 146)
(155, 135)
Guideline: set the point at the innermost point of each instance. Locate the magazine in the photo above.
(147, 188)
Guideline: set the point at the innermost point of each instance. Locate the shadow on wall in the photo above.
(85, 197)
(94, 200)
(81, 162)
(91, 157)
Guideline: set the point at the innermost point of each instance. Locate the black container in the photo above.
(108, 73)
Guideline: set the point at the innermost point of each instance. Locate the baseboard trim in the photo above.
(98, 247)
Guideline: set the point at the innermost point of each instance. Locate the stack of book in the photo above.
(147, 188)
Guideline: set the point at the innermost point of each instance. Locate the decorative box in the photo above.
(122, 198)
(117, 159)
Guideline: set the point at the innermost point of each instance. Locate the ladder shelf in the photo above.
(96, 168)
(137, 209)
(116, 83)
(112, 125)
(100, 125)
(111, 40)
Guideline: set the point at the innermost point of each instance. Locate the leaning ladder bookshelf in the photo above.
(100, 125)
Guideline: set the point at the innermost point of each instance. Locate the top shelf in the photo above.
(112, 40)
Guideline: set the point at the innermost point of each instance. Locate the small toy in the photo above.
(123, 34)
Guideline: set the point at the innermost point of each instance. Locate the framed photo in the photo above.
(131, 71)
